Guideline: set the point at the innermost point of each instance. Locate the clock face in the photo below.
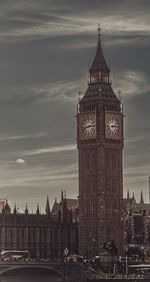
(112, 125)
(87, 126)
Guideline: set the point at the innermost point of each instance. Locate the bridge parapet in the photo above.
(68, 272)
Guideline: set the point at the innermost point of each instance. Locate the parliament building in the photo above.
(45, 236)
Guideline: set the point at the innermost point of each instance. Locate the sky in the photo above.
(46, 48)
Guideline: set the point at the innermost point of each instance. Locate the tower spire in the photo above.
(62, 196)
(26, 209)
(37, 209)
(99, 70)
(141, 200)
(128, 195)
(15, 209)
(47, 209)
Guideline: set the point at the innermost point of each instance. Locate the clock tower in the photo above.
(100, 149)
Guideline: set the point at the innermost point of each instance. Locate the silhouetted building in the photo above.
(44, 235)
(136, 222)
(130, 203)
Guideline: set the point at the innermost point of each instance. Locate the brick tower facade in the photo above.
(100, 147)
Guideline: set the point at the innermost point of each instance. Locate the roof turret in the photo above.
(26, 209)
(47, 209)
(37, 209)
(128, 195)
(141, 199)
(6, 208)
(15, 208)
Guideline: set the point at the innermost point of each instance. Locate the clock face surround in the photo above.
(87, 125)
(113, 125)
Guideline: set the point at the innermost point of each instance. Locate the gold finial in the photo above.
(99, 30)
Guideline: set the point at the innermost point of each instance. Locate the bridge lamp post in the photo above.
(126, 262)
(66, 252)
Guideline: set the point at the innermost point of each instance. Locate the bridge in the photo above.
(49, 272)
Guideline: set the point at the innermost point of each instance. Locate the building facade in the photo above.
(100, 146)
(45, 236)
(136, 223)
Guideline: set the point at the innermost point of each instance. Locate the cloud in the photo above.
(64, 91)
(20, 95)
(20, 161)
(28, 22)
(34, 176)
(132, 83)
(136, 139)
(35, 180)
(20, 137)
(58, 149)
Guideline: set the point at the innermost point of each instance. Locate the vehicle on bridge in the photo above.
(140, 270)
(9, 255)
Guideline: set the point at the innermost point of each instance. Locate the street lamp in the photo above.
(66, 252)
(94, 241)
(126, 263)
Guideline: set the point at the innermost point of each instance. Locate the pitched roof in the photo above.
(99, 63)
(71, 204)
(55, 209)
(47, 208)
(141, 199)
(98, 91)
